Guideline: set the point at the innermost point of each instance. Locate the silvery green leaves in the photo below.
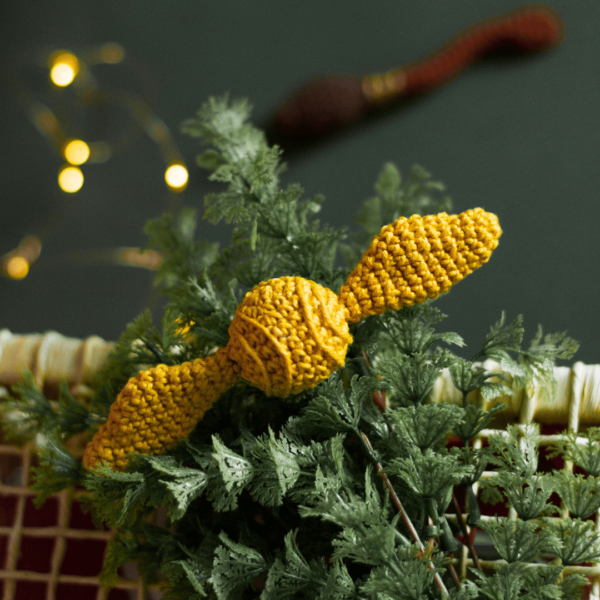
(338, 410)
(274, 467)
(183, 483)
(580, 494)
(515, 453)
(517, 580)
(208, 311)
(241, 158)
(334, 502)
(410, 330)
(369, 536)
(152, 481)
(468, 377)
(124, 496)
(396, 198)
(538, 359)
(235, 472)
(218, 120)
(535, 363)
(430, 474)
(527, 495)
(28, 412)
(410, 360)
(276, 232)
(236, 566)
(503, 339)
(475, 420)
(516, 450)
(578, 541)
(406, 578)
(268, 472)
(339, 584)
(581, 448)
(412, 377)
(519, 541)
(183, 256)
(295, 576)
(426, 426)
(58, 469)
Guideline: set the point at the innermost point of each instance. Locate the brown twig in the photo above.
(379, 398)
(466, 535)
(403, 514)
(453, 572)
(430, 540)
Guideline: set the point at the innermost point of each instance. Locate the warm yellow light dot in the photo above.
(176, 177)
(17, 267)
(70, 179)
(77, 152)
(64, 66)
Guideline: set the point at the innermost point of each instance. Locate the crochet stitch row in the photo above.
(418, 258)
(290, 334)
(158, 408)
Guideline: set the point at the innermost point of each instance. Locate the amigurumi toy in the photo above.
(289, 334)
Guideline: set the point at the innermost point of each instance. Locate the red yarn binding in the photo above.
(528, 29)
(331, 103)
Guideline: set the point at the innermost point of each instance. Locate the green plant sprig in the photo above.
(321, 495)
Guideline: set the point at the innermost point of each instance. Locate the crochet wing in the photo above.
(418, 258)
(158, 408)
(289, 334)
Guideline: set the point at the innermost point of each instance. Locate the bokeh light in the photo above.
(16, 267)
(64, 67)
(100, 152)
(134, 257)
(30, 248)
(176, 177)
(70, 179)
(76, 152)
(112, 53)
(45, 120)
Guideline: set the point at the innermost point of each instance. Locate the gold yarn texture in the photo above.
(289, 334)
(159, 408)
(418, 258)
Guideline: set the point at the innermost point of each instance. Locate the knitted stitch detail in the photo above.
(158, 408)
(418, 258)
(289, 334)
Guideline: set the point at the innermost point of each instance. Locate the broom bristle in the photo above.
(322, 106)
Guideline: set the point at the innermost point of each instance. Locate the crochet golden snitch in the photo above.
(289, 334)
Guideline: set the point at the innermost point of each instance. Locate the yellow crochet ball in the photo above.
(289, 334)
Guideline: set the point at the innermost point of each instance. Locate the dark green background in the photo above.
(519, 137)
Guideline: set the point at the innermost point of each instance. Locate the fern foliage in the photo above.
(340, 492)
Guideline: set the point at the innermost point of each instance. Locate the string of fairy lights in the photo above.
(72, 73)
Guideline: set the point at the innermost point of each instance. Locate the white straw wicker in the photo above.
(53, 357)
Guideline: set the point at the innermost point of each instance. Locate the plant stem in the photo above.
(453, 572)
(411, 528)
(466, 535)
